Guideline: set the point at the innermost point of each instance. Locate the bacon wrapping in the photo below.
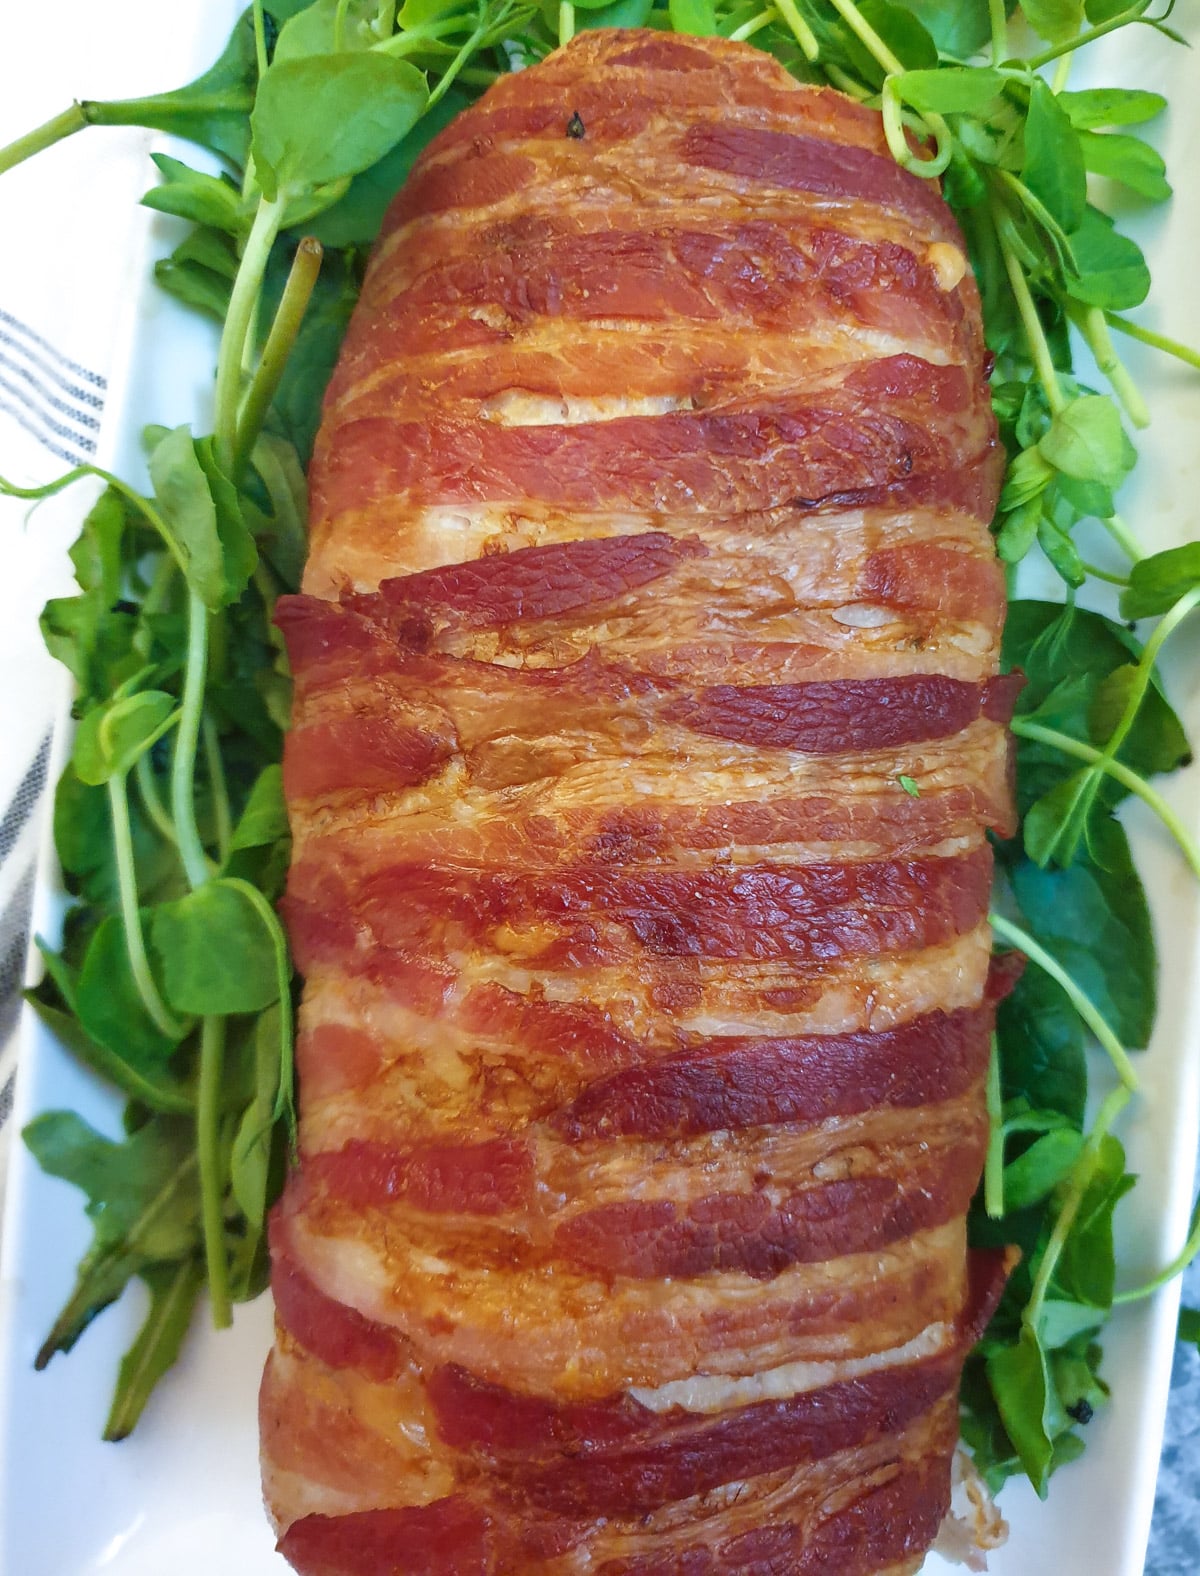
(648, 730)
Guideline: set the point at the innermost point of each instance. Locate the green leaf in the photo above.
(1126, 159)
(147, 1082)
(1041, 1047)
(201, 507)
(189, 194)
(1024, 1392)
(93, 638)
(356, 219)
(693, 16)
(174, 1290)
(1098, 107)
(1027, 478)
(197, 287)
(1031, 1176)
(1112, 271)
(96, 552)
(1019, 530)
(283, 534)
(1086, 1270)
(1058, 547)
(109, 1004)
(311, 31)
(110, 738)
(264, 820)
(1094, 920)
(902, 31)
(319, 119)
(954, 90)
(210, 111)
(143, 1202)
(1086, 440)
(250, 1162)
(1053, 165)
(218, 952)
(1056, 825)
(620, 13)
(1057, 21)
(1157, 583)
(958, 28)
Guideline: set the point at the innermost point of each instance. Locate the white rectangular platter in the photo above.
(181, 1496)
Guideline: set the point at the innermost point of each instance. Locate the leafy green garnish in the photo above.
(173, 979)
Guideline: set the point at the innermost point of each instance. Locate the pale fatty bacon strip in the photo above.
(648, 732)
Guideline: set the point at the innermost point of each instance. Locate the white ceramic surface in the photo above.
(181, 1497)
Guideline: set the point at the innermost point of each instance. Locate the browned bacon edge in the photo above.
(616, 1458)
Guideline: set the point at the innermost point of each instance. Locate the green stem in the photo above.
(1035, 334)
(1147, 336)
(455, 66)
(1081, 1177)
(1176, 1267)
(1104, 574)
(1092, 324)
(263, 386)
(999, 20)
(339, 25)
(897, 138)
(142, 505)
(1120, 773)
(155, 809)
(1083, 1005)
(1123, 536)
(260, 38)
(413, 39)
(217, 787)
(284, 1102)
(212, 1186)
(1165, 627)
(1062, 74)
(754, 25)
(845, 83)
(867, 36)
(183, 764)
(135, 942)
(64, 125)
(566, 22)
(1134, 14)
(799, 29)
(993, 1170)
(238, 319)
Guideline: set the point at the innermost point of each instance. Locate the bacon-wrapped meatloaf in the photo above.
(647, 730)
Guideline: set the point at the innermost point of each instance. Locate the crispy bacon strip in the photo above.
(648, 729)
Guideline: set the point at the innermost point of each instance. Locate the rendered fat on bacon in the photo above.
(648, 729)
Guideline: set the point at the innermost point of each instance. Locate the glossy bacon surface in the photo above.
(647, 734)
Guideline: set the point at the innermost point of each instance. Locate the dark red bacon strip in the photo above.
(477, 1179)
(538, 582)
(338, 1335)
(734, 1083)
(850, 714)
(812, 164)
(360, 755)
(747, 1234)
(811, 913)
(775, 454)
